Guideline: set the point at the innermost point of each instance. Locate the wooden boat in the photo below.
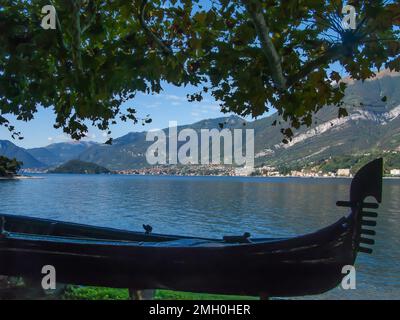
(88, 255)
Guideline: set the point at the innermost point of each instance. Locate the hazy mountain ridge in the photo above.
(58, 153)
(129, 151)
(373, 124)
(10, 150)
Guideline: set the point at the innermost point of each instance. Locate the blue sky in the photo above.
(170, 105)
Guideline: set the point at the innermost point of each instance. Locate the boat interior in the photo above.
(45, 229)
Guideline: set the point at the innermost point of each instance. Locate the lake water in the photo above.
(213, 207)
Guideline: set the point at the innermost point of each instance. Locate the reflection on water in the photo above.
(216, 206)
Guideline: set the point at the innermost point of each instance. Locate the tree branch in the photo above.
(76, 32)
(332, 53)
(60, 30)
(165, 49)
(92, 6)
(274, 61)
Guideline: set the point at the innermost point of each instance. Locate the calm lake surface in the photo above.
(216, 206)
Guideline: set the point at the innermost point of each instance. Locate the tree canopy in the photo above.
(9, 166)
(248, 54)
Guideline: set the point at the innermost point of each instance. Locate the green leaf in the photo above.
(342, 113)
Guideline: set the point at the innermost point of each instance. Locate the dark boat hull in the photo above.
(275, 268)
(87, 255)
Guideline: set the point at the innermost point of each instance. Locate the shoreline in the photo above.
(229, 176)
(178, 175)
(19, 177)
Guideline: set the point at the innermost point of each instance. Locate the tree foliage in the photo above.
(9, 166)
(249, 54)
(78, 166)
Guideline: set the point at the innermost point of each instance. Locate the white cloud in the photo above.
(211, 107)
(154, 130)
(59, 138)
(209, 110)
(153, 105)
(174, 97)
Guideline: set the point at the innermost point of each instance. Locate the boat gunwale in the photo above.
(305, 239)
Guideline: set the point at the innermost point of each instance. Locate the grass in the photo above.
(98, 293)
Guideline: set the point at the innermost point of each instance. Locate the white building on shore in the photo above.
(395, 172)
(344, 173)
(244, 171)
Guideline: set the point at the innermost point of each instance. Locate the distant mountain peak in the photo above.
(60, 152)
(385, 73)
(73, 143)
(10, 150)
(379, 75)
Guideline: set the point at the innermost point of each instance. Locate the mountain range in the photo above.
(58, 153)
(372, 124)
(45, 157)
(10, 150)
